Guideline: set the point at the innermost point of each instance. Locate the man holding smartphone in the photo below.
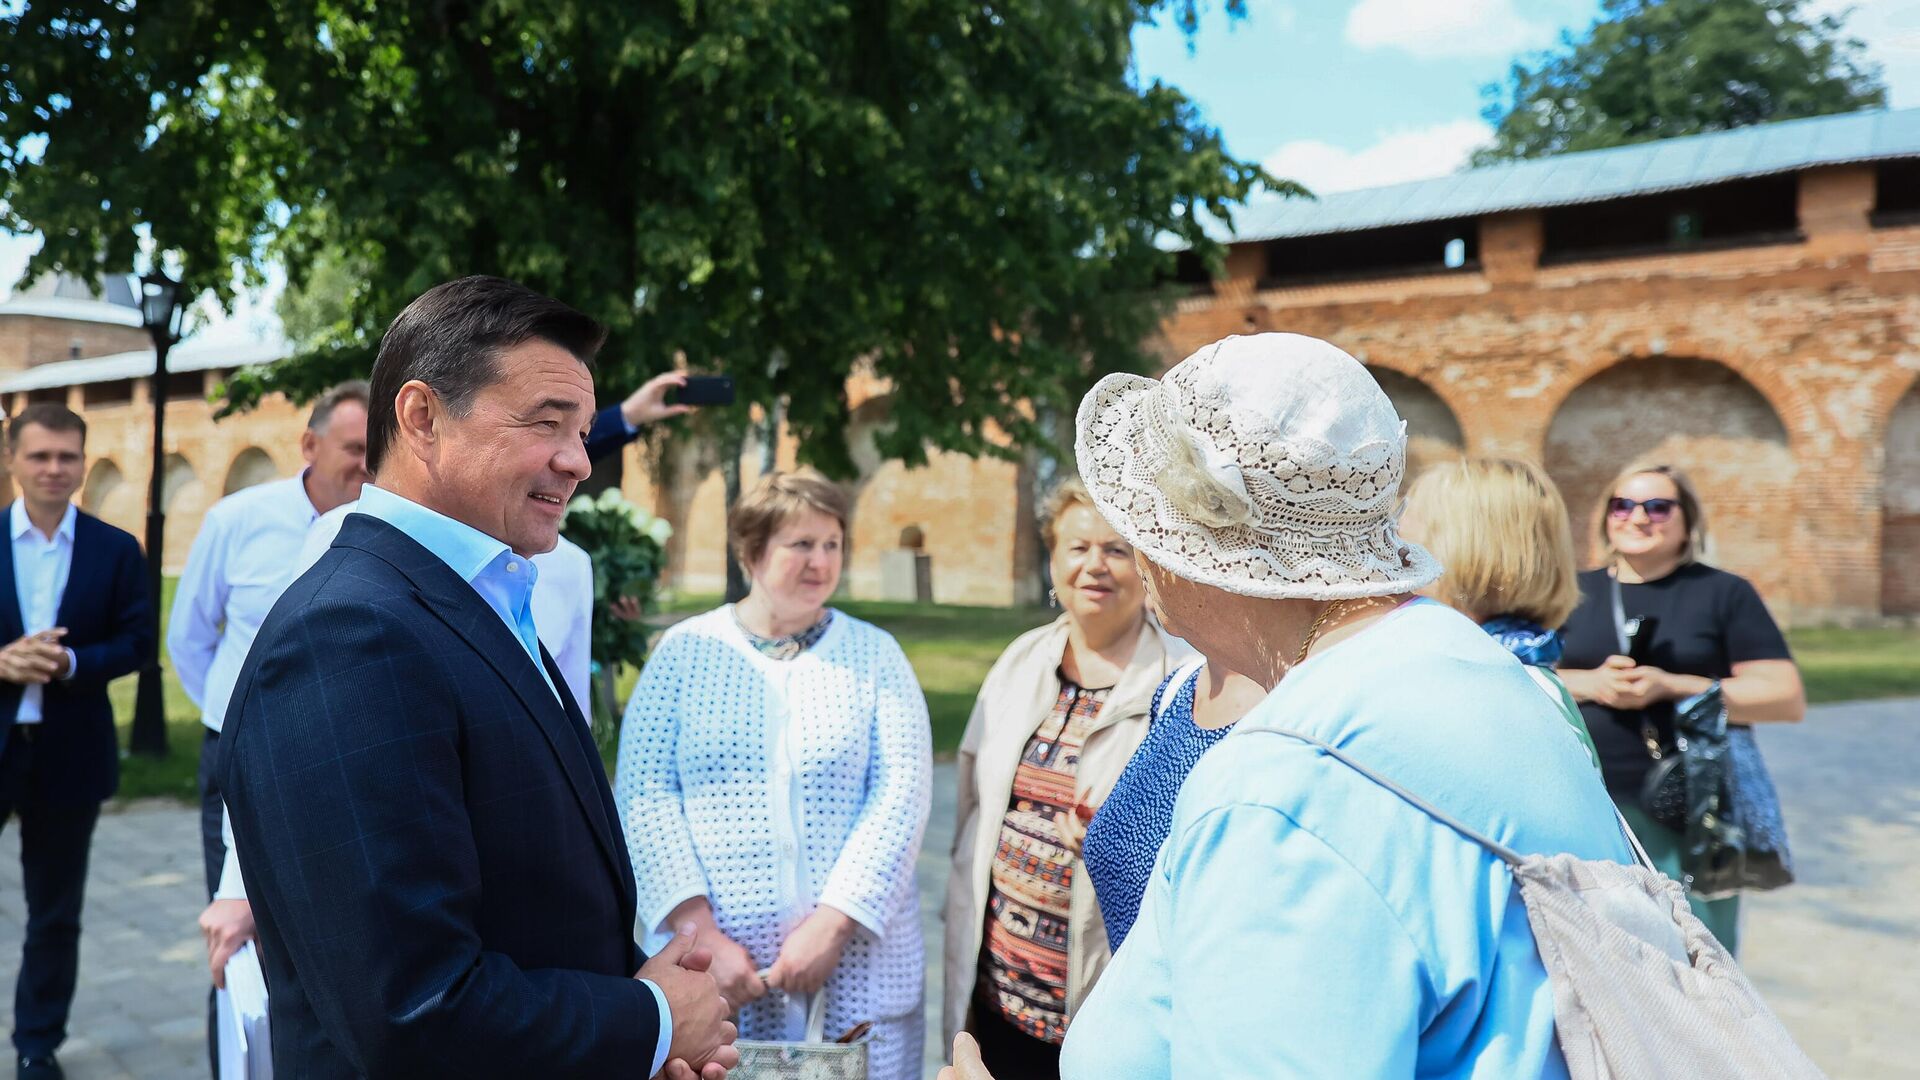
(74, 612)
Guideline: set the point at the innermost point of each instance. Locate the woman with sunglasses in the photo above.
(1697, 625)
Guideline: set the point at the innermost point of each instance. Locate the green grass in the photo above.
(172, 776)
(1847, 665)
(951, 647)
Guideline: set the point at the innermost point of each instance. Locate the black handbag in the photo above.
(1710, 786)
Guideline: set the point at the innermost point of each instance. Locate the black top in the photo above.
(1702, 621)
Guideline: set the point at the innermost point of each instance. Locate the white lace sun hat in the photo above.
(1266, 465)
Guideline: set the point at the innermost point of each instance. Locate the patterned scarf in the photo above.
(1527, 640)
(786, 648)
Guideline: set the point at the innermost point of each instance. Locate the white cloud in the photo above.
(1434, 29)
(1414, 154)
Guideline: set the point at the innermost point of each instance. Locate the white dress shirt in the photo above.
(41, 566)
(243, 559)
(562, 600)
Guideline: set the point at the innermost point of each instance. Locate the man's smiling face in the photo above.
(511, 463)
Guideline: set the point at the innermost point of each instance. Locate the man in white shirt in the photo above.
(73, 608)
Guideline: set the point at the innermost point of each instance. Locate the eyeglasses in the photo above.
(1658, 510)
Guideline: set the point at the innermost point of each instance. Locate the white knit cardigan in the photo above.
(771, 787)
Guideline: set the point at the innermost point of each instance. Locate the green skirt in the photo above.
(1663, 847)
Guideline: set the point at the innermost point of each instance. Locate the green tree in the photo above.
(1653, 69)
(971, 201)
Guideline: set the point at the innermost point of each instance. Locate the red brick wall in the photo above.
(1770, 371)
(1900, 529)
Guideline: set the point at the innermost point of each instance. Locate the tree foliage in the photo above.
(968, 200)
(1653, 69)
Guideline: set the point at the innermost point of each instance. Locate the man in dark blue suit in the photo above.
(73, 607)
(435, 863)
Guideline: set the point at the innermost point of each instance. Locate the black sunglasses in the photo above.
(1658, 510)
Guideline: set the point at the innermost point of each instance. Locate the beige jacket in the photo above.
(1017, 695)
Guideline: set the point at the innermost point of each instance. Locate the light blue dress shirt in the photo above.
(504, 580)
(41, 566)
(562, 600)
(1304, 921)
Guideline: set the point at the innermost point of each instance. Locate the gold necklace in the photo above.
(1313, 631)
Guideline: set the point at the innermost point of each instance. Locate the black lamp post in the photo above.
(161, 313)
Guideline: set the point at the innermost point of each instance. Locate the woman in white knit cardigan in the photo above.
(774, 780)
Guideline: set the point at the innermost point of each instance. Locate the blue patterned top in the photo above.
(1124, 837)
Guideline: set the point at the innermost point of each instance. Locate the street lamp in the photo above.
(161, 313)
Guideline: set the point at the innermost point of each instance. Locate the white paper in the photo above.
(246, 1051)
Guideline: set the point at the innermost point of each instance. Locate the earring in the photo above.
(1053, 598)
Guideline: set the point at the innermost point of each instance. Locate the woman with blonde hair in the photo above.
(774, 780)
(1692, 627)
(1059, 715)
(1500, 529)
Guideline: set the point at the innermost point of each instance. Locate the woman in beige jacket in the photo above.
(1057, 719)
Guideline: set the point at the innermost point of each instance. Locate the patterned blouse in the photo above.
(1124, 838)
(1023, 968)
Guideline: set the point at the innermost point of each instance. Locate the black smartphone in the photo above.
(1640, 639)
(705, 390)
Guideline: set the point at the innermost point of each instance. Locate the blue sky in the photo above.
(1337, 94)
(1356, 93)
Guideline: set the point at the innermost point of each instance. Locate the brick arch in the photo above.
(1797, 412)
(874, 530)
(108, 496)
(184, 499)
(1434, 432)
(249, 467)
(1900, 507)
(1703, 416)
(966, 510)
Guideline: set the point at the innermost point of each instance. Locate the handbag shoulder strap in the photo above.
(1501, 851)
(1622, 630)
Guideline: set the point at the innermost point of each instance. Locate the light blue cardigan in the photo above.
(1302, 921)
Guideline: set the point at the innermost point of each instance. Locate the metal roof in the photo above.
(139, 365)
(63, 296)
(1589, 176)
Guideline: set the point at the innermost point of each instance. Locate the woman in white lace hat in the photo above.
(1302, 920)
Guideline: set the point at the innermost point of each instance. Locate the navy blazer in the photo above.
(435, 863)
(110, 630)
(608, 434)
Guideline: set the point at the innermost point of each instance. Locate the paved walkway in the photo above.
(1835, 955)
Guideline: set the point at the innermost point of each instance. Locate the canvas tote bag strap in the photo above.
(1501, 851)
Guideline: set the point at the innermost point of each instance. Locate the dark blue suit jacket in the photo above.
(110, 630)
(608, 434)
(433, 855)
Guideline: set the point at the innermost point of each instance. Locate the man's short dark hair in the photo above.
(48, 415)
(323, 406)
(451, 338)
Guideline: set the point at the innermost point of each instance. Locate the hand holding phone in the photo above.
(705, 390)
